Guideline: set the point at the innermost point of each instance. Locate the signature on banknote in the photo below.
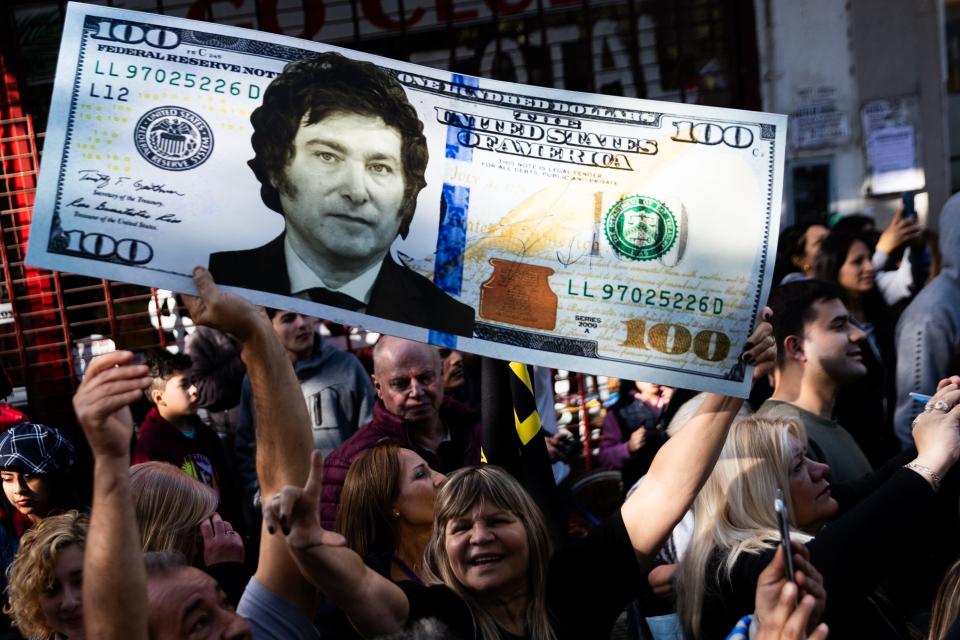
(101, 180)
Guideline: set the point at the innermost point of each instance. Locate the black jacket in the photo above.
(398, 293)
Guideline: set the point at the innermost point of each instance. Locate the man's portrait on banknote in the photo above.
(340, 153)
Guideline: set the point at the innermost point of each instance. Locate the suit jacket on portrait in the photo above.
(398, 293)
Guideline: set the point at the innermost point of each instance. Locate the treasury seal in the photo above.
(640, 228)
(173, 138)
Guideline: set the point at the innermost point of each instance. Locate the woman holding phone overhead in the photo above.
(491, 572)
(848, 529)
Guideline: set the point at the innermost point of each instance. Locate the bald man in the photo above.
(412, 412)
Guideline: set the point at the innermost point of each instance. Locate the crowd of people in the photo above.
(317, 495)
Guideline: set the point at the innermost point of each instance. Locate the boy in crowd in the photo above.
(173, 432)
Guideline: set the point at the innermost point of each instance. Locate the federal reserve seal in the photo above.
(640, 228)
(173, 138)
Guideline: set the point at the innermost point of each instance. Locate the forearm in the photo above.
(374, 605)
(677, 474)
(283, 437)
(115, 595)
(879, 258)
(283, 445)
(895, 285)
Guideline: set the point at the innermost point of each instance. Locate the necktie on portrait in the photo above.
(335, 299)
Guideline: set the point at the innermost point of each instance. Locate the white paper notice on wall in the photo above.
(891, 138)
(818, 122)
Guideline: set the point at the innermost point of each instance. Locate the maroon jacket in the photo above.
(461, 450)
(201, 457)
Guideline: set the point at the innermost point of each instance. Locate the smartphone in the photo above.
(783, 519)
(909, 210)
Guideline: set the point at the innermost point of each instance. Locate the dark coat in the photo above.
(399, 294)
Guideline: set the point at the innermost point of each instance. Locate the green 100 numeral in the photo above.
(676, 339)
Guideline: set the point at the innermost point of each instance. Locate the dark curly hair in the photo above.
(317, 87)
(164, 365)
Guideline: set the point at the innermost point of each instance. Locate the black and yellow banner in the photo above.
(512, 437)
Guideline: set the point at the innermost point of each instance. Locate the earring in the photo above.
(396, 514)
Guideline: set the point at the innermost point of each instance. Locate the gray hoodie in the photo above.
(928, 333)
(339, 397)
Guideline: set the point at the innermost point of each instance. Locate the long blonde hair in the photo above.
(463, 490)
(169, 506)
(946, 606)
(733, 513)
(32, 571)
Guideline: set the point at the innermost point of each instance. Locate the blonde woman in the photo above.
(45, 579)
(177, 513)
(736, 533)
(170, 505)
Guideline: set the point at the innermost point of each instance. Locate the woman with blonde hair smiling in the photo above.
(45, 579)
(519, 537)
(736, 531)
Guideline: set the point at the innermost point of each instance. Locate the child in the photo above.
(172, 432)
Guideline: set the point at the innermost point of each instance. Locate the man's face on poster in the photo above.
(344, 186)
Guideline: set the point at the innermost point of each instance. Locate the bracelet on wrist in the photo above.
(926, 471)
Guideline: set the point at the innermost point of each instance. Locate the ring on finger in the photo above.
(940, 405)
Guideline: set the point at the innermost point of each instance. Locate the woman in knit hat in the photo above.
(35, 461)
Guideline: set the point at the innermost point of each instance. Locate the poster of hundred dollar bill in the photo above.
(585, 232)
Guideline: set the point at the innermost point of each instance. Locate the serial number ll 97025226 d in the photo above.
(648, 296)
(186, 80)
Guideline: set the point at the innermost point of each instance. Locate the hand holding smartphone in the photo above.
(909, 208)
(783, 520)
